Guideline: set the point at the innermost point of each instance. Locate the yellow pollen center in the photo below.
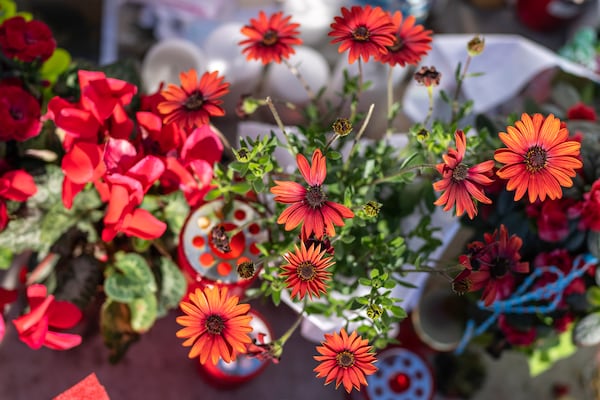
(306, 271)
(361, 34)
(270, 38)
(214, 324)
(536, 159)
(345, 359)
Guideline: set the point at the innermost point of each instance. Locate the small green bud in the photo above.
(342, 127)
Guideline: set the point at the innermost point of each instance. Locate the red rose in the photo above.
(26, 40)
(19, 114)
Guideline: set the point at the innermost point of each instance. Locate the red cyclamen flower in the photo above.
(365, 31)
(309, 206)
(270, 39)
(410, 44)
(581, 111)
(460, 183)
(26, 40)
(46, 312)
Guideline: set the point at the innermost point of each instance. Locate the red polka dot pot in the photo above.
(402, 375)
(208, 260)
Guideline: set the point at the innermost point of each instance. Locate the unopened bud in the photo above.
(476, 46)
(342, 127)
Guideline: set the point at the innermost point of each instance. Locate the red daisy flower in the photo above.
(309, 206)
(410, 44)
(539, 157)
(215, 325)
(194, 102)
(270, 38)
(461, 184)
(306, 271)
(491, 265)
(345, 359)
(366, 31)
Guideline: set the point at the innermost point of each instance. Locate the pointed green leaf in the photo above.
(172, 286)
(143, 312)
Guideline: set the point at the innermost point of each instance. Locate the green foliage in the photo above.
(172, 286)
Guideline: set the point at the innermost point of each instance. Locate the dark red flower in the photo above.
(45, 313)
(26, 40)
(19, 114)
(552, 218)
(491, 266)
(100, 95)
(589, 209)
(581, 111)
(516, 336)
(561, 259)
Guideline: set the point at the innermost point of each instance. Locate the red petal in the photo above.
(144, 225)
(63, 315)
(61, 341)
(17, 185)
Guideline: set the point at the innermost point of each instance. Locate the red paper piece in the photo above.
(87, 389)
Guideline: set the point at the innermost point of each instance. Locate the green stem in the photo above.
(430, 110)
(358, 136)
(296, 72)
(459, 87)
(279, 122)
(292, 328)
(356, 98)
(390, 101)
(400, 173)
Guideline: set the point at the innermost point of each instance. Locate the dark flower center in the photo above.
(345, 359)
(397, 46)
(16, 114)
(194, 102)
(270, 38)
(500, 268)
(535, 159)
(214, 324)
(315, 197)
(306, 271)
(361, 34)
(460, 172)
(462, 286)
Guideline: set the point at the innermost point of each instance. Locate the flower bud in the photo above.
(342, 127)
(246, 269)
(242, 155)
(372, 208)
(374, 311)
(476, 46)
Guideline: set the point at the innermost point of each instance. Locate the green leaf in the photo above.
(541, 360)
(143, 312)
(130, 277)
(593, 296)
(334, 155)
(172, 286)
(6, 257)
(115, 326)
(55, 65)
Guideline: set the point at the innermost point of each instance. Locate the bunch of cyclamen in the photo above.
(169, 145)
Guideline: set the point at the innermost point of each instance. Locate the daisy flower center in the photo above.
(194, 101)
(345, 359)
(214, 324)
(535, 159)
(306, 271)
(269, 38)
(500, 268)
(462, 286)
(361, 34)
(315, 197)
(460, 172)
(397, 46)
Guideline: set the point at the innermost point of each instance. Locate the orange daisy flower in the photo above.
(194, 102)
(539, 157)
(309, 206)
(306, 271)
(215, 325)
(461, 184)
(347, 359)
(410, 44)
(366, 31)
(270, 39)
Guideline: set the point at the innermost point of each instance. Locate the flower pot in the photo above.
(230, 375)
(208, 262)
